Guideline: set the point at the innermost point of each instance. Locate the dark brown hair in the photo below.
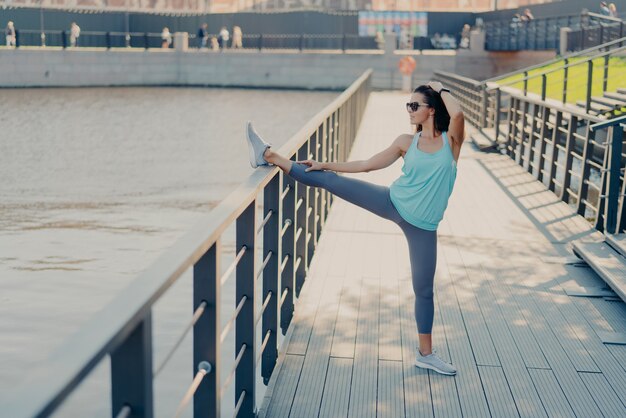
(434, 100)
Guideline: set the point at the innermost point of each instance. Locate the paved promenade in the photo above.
(503, 316)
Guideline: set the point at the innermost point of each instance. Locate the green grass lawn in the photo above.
(577, 78)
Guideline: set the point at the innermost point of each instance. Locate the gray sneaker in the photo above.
(256, 147)
(433, 362)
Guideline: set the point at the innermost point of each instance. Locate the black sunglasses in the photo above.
(413, 106)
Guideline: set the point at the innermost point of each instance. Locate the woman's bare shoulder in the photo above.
(404, 142)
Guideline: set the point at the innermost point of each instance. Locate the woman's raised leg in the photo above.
(369, 196)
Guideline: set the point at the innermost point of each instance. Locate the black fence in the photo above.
(536, 34)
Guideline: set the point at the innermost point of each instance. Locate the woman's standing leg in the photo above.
(423, 255)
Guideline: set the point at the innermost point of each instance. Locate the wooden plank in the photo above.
(390, 341)
(285, 388)
(565, 334)
(443, 388)
(479, 339)
(471, 396)
(308, 397)
(363, 391)
(344, 338)
(611, 367)
(523, 390)
(552, 396)
(309, 301)
(607, 263)
(337, 389)
(604, 395)
(579, 398)
(390, 390)
(499, 397)
(417, 394)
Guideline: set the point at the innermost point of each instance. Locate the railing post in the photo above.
(589, 85)
(271, 243)
(605, 77)
(131, 372)
(260, 41)
(288, 251)
(206, 343)
(483, 105)
(544, 79)
(301, 230)
(245, 376)
(565, 75)
(569, 158)
(497, 113)
(63, 39)
(525, 82)
(614, 178)
(107, 38)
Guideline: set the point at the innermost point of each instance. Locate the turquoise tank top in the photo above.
(421, 193)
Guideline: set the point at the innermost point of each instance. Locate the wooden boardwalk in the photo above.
(505, 313)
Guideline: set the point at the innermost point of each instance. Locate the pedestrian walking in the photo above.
(166, 38)
(74, 34)
(604, 9)
(613, 10)
(9, 33)
(224, 37)
(237, 38)
(416, 201)
(203, 36)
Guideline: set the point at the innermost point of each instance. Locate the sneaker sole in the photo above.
(250, 148)
(428, 366)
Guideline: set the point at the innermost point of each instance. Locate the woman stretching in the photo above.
(416, 201)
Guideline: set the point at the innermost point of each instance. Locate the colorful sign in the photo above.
(371, 22)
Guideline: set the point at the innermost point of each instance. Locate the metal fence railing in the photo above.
(585, 30)
(293, 217)
(146, 40)
(486, 103)
(536, 34)
(575, 154)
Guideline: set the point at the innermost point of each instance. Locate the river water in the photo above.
(94, 185)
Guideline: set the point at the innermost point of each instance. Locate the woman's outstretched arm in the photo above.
(381, 160)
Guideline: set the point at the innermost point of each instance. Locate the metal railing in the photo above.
(594, 29)
(585, 30)
(564, 147)
(485, 103)
(146, 40)
(293, 219)
(536, 34)
(577, 156)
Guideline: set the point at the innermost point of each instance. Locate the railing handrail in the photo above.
(536, 99)
(599, 16)
(611, 122)
(536, 19)
(555, 60)
(568, 65)
(47, 386)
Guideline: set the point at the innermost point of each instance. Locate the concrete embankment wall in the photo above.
(83, 67)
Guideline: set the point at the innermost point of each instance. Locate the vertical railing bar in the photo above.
(206, 346)
(271, 284)
(245, 375)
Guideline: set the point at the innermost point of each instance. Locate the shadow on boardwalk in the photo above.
(522, 346)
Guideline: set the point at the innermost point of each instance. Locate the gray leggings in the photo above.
(375, 198)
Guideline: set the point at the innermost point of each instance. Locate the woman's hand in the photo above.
(313, 165)
(435, 85)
